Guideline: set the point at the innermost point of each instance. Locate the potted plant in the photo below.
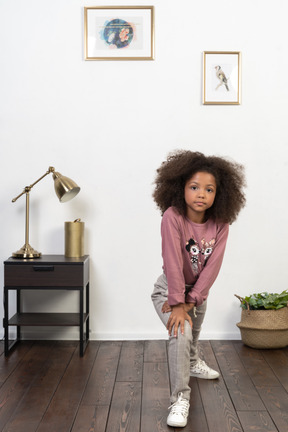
(264, 320)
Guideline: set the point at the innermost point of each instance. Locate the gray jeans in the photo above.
(183, 350)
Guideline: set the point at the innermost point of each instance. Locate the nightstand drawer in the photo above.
(45, 275)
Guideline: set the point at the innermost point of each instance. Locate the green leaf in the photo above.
(265, 300)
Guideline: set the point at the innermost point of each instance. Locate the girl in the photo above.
(199, 197)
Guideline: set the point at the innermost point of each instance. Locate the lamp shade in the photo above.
(65, 188)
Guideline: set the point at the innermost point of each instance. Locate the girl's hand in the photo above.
(166, 307)
(189, 306)
(177, 318)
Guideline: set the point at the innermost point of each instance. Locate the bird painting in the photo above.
(222, 77)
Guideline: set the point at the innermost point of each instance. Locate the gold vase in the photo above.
(74, 239)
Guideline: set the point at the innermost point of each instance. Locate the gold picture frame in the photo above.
(119, 33)
(221, 77)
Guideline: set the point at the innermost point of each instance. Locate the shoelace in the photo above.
(201, 366)
(181, 406)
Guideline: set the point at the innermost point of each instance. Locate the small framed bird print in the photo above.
(221, 77)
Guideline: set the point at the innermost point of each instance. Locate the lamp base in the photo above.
(26, 252)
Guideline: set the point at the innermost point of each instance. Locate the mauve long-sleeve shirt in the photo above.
(192, 255)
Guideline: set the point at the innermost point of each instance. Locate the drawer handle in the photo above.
(43, 268)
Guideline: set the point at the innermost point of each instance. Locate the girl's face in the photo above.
(199, 195)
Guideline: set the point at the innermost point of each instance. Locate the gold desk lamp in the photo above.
(65, 189)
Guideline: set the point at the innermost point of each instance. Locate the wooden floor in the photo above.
(124, 386)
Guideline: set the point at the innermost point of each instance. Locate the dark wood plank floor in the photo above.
(124, 387)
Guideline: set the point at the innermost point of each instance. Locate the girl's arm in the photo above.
(173, 258)
(210, 272)
(173, 268)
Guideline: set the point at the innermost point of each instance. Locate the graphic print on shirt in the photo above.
(207, 248)
(195, 250)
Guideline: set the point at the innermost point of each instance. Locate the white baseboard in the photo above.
(159, 336)
(52, 333)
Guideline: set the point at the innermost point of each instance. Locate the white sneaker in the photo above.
(179, 412)
(201, 370)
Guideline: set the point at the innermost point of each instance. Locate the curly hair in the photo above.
(181, 165)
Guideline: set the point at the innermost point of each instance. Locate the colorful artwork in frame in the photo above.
(119, 32)
(221, 77)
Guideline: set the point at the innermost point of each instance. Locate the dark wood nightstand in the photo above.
(49, 272)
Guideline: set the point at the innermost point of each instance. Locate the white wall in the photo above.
(109, 125)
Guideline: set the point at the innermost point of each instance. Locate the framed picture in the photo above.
(221, 77)
(119, 33)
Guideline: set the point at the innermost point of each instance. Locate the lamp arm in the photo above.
(28, 188)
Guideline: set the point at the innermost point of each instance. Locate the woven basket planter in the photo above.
(264, 329)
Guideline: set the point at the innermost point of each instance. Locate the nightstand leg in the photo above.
(81, 322)
(5, 322)
(18, 311)
(87, 312)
